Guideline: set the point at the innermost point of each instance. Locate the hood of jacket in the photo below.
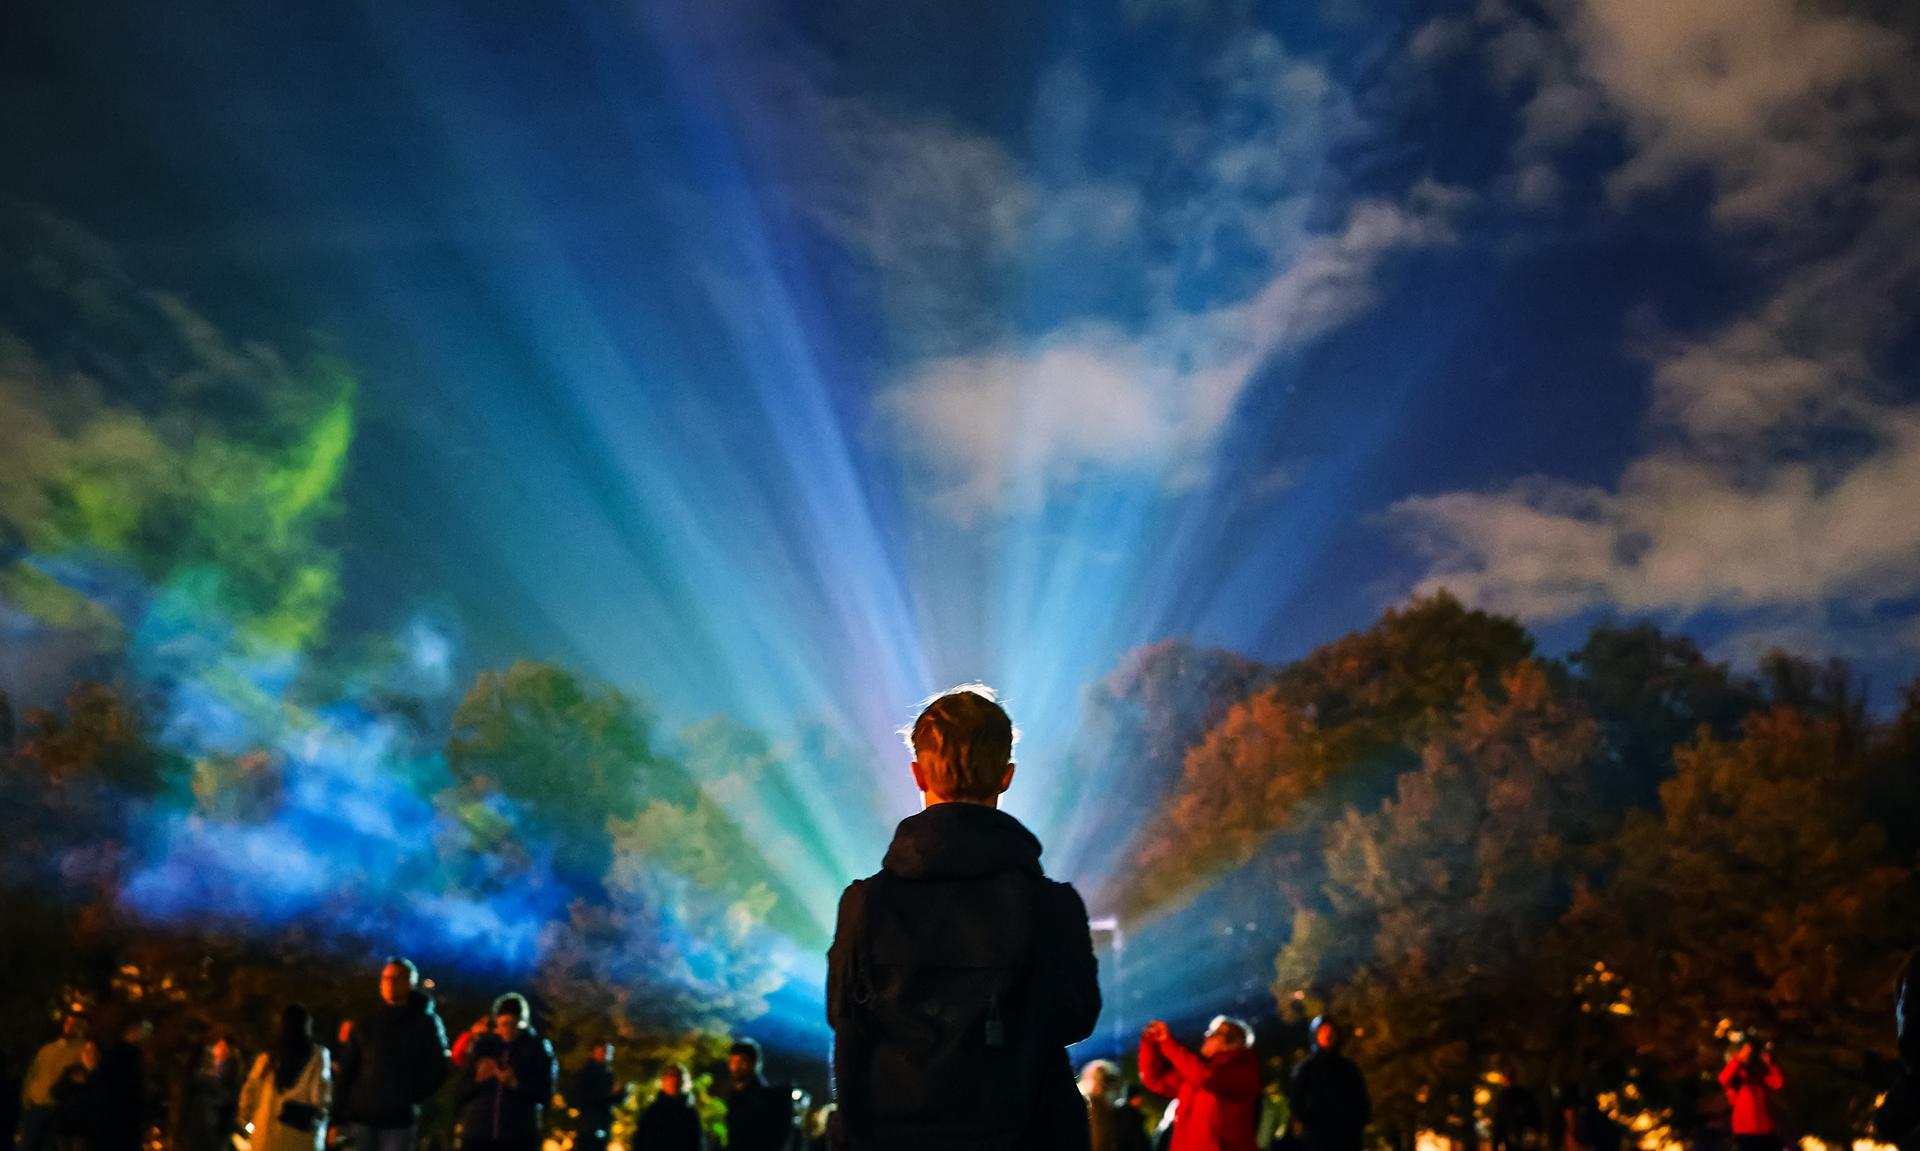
(961, 841)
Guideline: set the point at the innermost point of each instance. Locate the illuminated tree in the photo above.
(1760, 897)
(1333, 729)
(565, 754)
(1437, 901)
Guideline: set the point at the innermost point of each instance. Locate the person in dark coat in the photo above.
(73, 1115)
(213, 1097)
(10, 1085)
(395, 1059)
(671, 1122)
(117, 1092)
(960, 915)
(1518, 1122)
(1897, 1118)
(507, 1083)
(760, 1115)
(1329, 1094)
(594, 1096)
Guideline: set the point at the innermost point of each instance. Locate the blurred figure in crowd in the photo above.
(760, 1115)
(395, 1059)
(1751, 1079)
(671, 1122)
(1897, 1118)
(213, 1096)
(508, 1081)
(74, 1115)
(1329, 1095)
(37, 1107)
(289, 1093)
(594, 1096)
(1111, 1122)
(1217, 1090)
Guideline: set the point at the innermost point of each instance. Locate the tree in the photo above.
(1758, 898)
(1438, 899)
(1650, 693)
(566, 753)
(1334, 729)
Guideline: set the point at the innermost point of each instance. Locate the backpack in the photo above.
(943, 1050)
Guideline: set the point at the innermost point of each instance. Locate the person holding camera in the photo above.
(1751, 1078)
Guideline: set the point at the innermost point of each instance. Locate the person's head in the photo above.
(74, 1026)
(1099, 1080)
(398, 978)
(296, 1028)
(510, 1014)
(1325, 1033)
(222, 1047)
(602, 1052)
(1224, 1034)
(674, 1079)
(743, 1060)
(962, 746)
(90, 1054)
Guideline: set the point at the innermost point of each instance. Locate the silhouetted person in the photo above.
(395, 1059)
(1751, 1079)
(74, 1115)
(38, 1110)
(288, 1096)
(1329, 1094)
(213, 1097)
(118, 1089)
(959, 973)
(10, 1084)
(594, 1096)
(671, 1122)
(760, 1115)
(1112, 1122)
(1518, 1122)
(1217, 1090)
(1897, 1119)
(508, 1080)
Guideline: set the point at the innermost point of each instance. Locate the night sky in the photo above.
(791, 361)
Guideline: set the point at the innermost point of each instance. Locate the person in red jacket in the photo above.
(1751, 1079)
(1218, 1090)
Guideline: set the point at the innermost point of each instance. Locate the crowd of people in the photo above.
(958, 977)
(370, 1089)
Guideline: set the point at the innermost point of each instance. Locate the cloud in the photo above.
(1219, 218)
(1002, 427)
(1780, 459)
(1771, 100)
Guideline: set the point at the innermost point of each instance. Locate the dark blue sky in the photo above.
(798, 359)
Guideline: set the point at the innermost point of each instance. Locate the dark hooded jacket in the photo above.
(395, 1062)
(942, 883)
(1897, 1119)
(669, 1123)
(494, 1110)
(1330, 1100)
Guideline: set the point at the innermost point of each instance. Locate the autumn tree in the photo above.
(1759, 897)
(542, 753)
(1438, 898)
(1333, 728)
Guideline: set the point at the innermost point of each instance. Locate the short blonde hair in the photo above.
(963, 741)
